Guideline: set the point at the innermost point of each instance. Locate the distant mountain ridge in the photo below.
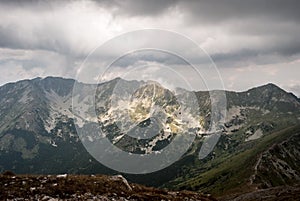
(38, 134)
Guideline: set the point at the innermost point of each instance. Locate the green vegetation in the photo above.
(231, 174)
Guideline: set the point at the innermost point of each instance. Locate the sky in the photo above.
(250, 42)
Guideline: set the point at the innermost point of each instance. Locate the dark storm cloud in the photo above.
(211, 11)
(289, 48)
(277, 19)
(215, 11)
(246, 57)
(237, 56)
(199, 10)
(273, 51)
(11, 38)
(274, 22)
(34, 5)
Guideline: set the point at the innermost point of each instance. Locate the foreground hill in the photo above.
(80, 187)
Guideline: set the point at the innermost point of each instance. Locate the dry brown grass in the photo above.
(83, 187)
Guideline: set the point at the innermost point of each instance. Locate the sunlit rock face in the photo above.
(138, 116)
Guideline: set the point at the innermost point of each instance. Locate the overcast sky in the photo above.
(251, 42)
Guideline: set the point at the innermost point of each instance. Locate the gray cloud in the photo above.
(218, 11)
(294, 89)
(149, 56)
(275, 22)
(139, 8)
(213, 11)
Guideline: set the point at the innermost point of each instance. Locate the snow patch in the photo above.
(53, 143)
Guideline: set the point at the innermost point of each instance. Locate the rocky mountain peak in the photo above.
(37, 123)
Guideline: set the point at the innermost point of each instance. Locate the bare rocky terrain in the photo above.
(84, 187)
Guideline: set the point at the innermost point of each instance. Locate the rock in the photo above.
(62, 176)
(8, 173)
(123, 180)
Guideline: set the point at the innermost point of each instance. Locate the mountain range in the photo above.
(258, 147)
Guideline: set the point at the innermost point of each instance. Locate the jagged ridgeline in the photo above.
(258, 147)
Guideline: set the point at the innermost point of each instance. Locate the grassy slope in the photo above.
(232, 175)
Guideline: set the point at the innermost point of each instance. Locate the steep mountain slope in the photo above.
(258, 146)
(37, 130)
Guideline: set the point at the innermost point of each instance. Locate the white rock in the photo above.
(62, 176)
